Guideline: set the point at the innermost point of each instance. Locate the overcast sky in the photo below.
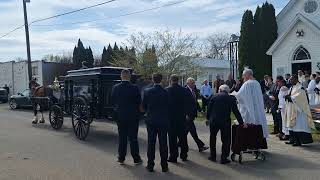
(201, 17)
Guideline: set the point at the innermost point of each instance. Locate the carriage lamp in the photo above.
(300, 33)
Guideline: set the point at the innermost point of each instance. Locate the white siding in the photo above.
(15, 75)
(6, 75)
(206, 72)
(285, 20)
(283, 55)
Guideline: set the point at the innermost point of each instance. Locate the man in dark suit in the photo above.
(192, 113)
(156, 104)
(219, 111)
(274, 101)
(177, 120)
(126, 99)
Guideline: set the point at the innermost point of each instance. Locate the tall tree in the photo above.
(79, 54)
(107, 59)
(267, 33)
(89, 57)
(103, 61)
(246, 43)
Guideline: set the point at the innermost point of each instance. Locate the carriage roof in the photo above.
(96, 72)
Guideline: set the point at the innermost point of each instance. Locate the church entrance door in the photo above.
(305, 67)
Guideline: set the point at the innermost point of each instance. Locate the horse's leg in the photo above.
(41, 110)
(35, 111)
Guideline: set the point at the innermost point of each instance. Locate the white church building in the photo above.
(298, 43)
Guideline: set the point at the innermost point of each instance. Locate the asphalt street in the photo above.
(37, 152)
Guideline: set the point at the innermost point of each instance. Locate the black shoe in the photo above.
(289, 142)
(138, 162)
(204, 148)
(150, 169)
(225, 161)
(296, 144)
(173, 161)
(120, 161)
(165, 169)
(213, 159)
(284, 138)
(184, 159)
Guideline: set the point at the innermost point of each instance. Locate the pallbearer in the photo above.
(177, 120)
(156, 104)
(297, 115)
(126, 99)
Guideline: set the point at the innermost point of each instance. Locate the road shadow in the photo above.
(268, 169)
(140, 171)
(202, 171)
(312, 148)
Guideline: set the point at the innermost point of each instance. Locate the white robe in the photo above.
(317, 96)
(311, 94)
(298, 116)
(282, 105)
(301, 79)
(251, 105)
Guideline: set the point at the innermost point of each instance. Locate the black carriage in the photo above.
(84, 95)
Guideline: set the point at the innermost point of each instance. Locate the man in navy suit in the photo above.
(219, 111)
(126, 99)
(156, 104)
(192, 106)
(177, 120)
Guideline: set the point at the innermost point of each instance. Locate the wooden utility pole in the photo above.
(27, 37)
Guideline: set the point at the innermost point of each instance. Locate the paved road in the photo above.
(38, 152)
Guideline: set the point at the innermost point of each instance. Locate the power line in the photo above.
(15, 29)
(55, 16)
(113, 17)
(71, 12)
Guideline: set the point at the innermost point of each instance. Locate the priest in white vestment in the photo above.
(298, 115)
(311, 93)
(251, 104)
(317, 91)
(301, 76)
(282, 107)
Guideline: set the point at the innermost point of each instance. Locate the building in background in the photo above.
(15, 74)
(210, 69)
(298, 43)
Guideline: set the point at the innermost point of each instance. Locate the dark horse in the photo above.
(38, 98)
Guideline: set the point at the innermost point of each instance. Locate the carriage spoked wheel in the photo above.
(233, 157)
(81, 118)
(240, 157)
(56, 117)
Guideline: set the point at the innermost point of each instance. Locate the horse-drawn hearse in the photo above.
(84, 95)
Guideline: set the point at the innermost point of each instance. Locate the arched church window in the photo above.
(301, 54)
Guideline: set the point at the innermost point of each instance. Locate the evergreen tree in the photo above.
(132, 56)
(75, 55)
(89, 57)
(149, 62)
(257, 50)
(115, 47)
(258, 33)
(104, 61)
(79, 54)
(267, 35)
(246, 43)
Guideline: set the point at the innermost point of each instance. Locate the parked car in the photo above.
(21, 100)
(3, 95)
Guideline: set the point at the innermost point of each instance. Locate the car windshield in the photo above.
(26, 93)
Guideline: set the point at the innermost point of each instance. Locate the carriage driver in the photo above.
(34, 86)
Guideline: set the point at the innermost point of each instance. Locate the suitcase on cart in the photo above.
(248, 140)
